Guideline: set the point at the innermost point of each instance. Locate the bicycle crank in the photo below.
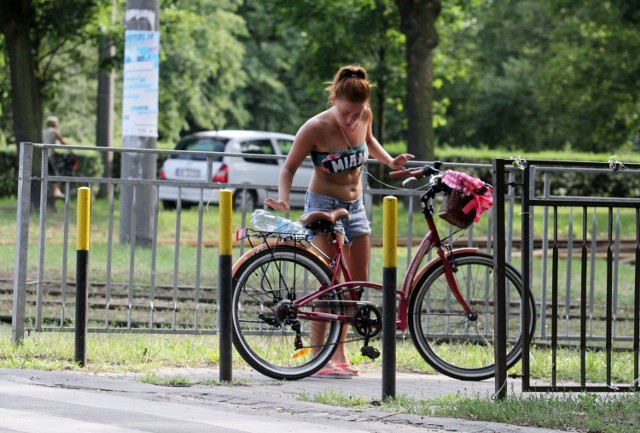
(367, 321)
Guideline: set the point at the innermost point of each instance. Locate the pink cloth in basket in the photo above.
(480, 203)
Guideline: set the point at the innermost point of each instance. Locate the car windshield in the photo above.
(201, 144)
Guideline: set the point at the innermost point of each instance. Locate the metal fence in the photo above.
(169, 286)
(585, 276)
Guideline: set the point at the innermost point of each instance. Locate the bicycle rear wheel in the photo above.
(443, 333)
(269, 333)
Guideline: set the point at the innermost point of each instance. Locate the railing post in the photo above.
(500, 324)
(224, 286)
(22, 243)
(389, 271)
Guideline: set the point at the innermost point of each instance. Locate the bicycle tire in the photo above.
(444, 335)
(264, 325)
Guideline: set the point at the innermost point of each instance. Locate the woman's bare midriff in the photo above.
(341, 186)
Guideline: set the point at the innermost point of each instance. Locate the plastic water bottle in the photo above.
(268, 222)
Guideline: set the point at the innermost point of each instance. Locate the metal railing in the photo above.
(130, 289)
(169, 287)
(591, 313)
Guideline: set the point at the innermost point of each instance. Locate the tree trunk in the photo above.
(417, 22)
(378, 119)
(104, 125)
(138, 201)
(16, 20)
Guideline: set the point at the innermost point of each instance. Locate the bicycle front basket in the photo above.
(451, 210)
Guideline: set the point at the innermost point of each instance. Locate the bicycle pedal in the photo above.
(370, 352)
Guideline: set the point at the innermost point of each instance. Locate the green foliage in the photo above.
(201, 67)
(333, 33)
(9, 169)
(546, 75)
(90, 165)
(525, 75)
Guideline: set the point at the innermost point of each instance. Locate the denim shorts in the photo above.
(355, 225)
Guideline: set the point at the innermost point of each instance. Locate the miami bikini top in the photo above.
(341, 161)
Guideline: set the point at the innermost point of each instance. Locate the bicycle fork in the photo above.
(450, 271)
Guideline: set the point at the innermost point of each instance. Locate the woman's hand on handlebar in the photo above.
(277, 204)
(426, 170)
(400, 160)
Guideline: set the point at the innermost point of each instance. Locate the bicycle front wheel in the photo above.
(272, 335)
(447, 338)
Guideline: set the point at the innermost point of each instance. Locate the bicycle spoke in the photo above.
(451, 341)
(270, 333)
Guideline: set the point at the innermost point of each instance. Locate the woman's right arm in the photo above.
(302, 146)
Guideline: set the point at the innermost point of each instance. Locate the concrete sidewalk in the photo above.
(36, 401)
(367, 385)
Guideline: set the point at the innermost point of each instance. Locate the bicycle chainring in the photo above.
(367, 320)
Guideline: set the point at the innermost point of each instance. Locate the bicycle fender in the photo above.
(436, 260)
(258, 248)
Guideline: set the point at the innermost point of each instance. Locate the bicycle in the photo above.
(284, 286)
(68, 165)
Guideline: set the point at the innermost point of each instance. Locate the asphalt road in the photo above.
(69, 402)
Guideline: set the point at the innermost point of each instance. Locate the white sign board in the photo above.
(140, 83)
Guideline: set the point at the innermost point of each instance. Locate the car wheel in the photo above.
(250, 200)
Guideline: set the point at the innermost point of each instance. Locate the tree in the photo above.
(18, 21)
(418, 18)
(201, 67)
(272, 50)
(5, 99)
(35, 31)
(334, 33)
(546, 74)
(105, 100)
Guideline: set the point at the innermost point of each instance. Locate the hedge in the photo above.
(90, 166)
(568, 183)
(9, 170)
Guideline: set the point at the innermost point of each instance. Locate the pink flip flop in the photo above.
(331, 371)
(345, 366)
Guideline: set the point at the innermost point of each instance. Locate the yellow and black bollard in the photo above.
(225, 286)
(389, 276)
(82, 266)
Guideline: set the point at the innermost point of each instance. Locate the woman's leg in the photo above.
(319, 329)
(356, 255)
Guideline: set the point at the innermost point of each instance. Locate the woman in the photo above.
(339, 141)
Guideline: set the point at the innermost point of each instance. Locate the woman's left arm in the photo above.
(377, 151)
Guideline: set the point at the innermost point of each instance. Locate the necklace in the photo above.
(345, 137)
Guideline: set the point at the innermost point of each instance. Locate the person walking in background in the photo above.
(339, 140)
(51, 135)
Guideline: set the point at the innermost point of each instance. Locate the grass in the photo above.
(144, 353)
(584, 412)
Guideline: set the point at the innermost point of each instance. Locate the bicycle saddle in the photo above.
(323, 219)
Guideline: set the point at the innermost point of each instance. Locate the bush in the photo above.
(9, 170)
(90, 166)
(563, 183)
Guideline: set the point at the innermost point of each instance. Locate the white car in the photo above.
(250, 169)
